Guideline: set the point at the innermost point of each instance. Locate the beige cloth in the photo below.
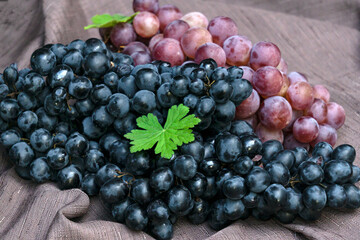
(319, 38)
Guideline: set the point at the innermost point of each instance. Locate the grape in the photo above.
(284, 86)
(300, 95)
(266, 134)
(344, 152)
(140, 191)
(248, 107)
(21, 154)
(122, 34)
(268, 81)
(264, 54)
(294, 116)
(336, 196)
(69, 177)
(184, 167)
(135, 217)
(221, 91)
(318, 111)
(195, 149)
(161, 179)
(353, 196)
(275, 195)
(196, 19)
(193, 38)
(283, 67)
(221, 28)
(169, 50)
(314, 197)
(154, 40)
(321, 92)
(295, 77)
(176, 29)
(237, 49)
(275, 113)
(335, 115)
(135, 47)
(196, 185)
(326, 134)
(73, 58)
(305, 129)
(141, 58)
(96, 64)
(42, 61)
(162, 229)
(211, 50)
(200, 211)
(258, 180)
(146, 24)
(290, 142)
(310, 173)
(166, 14)
(146, 5)
(179, 200)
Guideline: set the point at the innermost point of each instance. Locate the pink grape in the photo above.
(248, 107)
(237, 49)
(169, 50)
(305, 129)
(135, 47)
(193, 38)
(290, 143)
(146, 5)
(211, 50)
(196, 19)
(122, 34)
(326, 134)
(252, 120)
(300, 95)
(321, 92)
(176, 29)
(295, 77)
(264, 54)
(266, 134)
(154, 40)
(248, 73)
(294, 116)
(221, 28)
(284, 87)
(267, 81)
(275, 112)
(335, 115)
(146, 24)
(283, 67)
(141, 57)
(318, 110)
(167, 14)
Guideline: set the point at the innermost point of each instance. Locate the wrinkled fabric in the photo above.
(318, 38)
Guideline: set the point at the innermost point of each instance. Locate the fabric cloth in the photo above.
(318, 38)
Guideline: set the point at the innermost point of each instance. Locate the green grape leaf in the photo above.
(107, 20)
(176, 131)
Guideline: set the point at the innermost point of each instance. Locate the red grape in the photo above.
(268, 81)
(167, 14)
(318, 110)
(248, 107)
(252, 120)
(266, 134)
(294, 116)
(264, 54)
(122, 34)
(283, 67)
(248, 73)
(335, 115)
(300, 95)
(295, 77)
(275, 112)
(321, 92)
(105, 33)
(141, 57)
(326, 134)
(290, 143)
(284, 87)
(154, 40)
(221, 28)
(135, 47)
(211, 50)
(176, 29)
(193, 38)
(237, 49)
(196, 19)
(169, 50)
(146, 5)
(146, 24)
(305, 129)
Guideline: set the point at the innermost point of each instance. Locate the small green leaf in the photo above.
(107, 20)
(175, 132)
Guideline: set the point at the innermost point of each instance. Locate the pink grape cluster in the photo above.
(283, 106)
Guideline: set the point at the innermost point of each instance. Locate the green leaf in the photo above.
(107, 20)
(176, 131)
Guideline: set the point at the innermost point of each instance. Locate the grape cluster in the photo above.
(64, 120)
(304, 115)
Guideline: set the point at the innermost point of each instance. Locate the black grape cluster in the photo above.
(64, 120)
